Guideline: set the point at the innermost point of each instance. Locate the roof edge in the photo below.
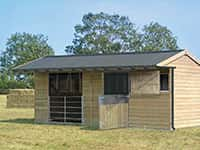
(17, 68)
(123, 53)
(178, 55)
(27, 63)
(95, 68)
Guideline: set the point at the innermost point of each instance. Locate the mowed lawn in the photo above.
(18, 131)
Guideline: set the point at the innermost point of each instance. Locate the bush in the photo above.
(13, 84)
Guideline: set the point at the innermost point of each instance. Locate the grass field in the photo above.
(18, 131)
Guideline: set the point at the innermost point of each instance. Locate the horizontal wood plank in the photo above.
(187, 92)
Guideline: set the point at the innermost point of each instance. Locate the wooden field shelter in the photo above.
(159, 90)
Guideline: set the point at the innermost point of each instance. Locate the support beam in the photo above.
(125, 68)
(89, 69)
(99, 69)
(78, 70)
(172, 98)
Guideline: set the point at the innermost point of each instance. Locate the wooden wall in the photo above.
(148, 107)
(145, 82)
(113, 115)
(41, 97)
(92, 88)
(186, 92)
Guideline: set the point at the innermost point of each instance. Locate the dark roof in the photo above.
(100, 60)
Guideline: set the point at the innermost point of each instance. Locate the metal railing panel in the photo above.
(65, 109)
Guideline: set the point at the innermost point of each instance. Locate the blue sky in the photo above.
(57, 18)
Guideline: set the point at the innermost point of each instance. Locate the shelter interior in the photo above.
(65, 97)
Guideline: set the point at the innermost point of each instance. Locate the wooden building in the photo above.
(159, 90)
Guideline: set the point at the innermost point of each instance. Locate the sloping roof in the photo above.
(100, 60)
(175, 57)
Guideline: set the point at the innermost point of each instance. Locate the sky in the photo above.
(57, 18)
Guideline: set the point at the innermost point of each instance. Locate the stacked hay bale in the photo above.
(20, 98)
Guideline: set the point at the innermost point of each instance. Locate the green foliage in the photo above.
(21, 48)
(13, 84)
(104, 33)
(157, 37)
(24, 47)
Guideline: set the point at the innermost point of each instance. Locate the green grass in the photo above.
(18, 131)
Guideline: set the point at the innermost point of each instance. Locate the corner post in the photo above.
(172, 98)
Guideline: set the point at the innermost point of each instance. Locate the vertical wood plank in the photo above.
(113, 115)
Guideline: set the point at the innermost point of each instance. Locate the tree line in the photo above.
(99, 33)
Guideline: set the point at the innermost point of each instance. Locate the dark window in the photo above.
(164, 82)
(65, 84)
(116, 83)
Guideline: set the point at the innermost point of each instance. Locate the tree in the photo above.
(22, 48)
(104, 33)
(156, 37)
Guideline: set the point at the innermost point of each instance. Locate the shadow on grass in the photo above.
(31, 121)
(19, 120)
(89, 128)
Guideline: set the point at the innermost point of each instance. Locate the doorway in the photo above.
(65, 97)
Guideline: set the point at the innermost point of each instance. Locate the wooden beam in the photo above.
(66, 70)
(139, 68)
(77, 69)
(100, 69)
(40, 70)
(125, 68)
(150, 68)
(89, 69)
(53, 70)
(112, 69)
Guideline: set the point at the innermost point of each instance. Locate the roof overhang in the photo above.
(119, 68)
(110, 62)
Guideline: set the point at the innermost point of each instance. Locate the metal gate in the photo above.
(65, 109)
(65, 97)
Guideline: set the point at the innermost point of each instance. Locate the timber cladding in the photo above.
(186, 92)
(92, 86)
(148, 108)
(113, 115)
(20, 98)
(145, 82)
(113, 111)
(150, 111)
(41, 97)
